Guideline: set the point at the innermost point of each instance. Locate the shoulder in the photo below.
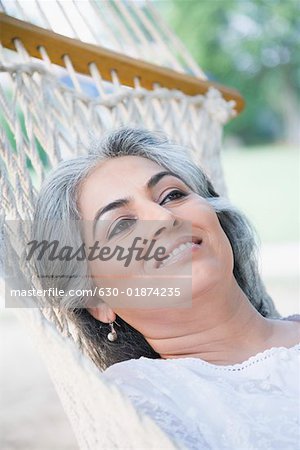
(294, 322)
(149, 383)
(135, 375)
(293, 317)
(132, 367)
(146, 382)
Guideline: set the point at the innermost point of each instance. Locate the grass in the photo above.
(264, 183)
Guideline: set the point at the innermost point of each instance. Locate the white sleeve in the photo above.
(150, 400)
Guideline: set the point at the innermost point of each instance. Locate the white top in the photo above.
(250, 405)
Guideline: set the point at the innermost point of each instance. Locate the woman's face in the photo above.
(159, 209)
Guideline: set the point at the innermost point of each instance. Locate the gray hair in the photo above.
(58, 200)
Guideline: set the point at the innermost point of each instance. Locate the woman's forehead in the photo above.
(133, 167)
(113, 178)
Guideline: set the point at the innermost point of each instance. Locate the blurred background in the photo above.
(251, 45)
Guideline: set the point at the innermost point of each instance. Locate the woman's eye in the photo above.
(121, 226)
(174, 195)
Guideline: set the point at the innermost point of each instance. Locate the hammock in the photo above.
(68, 73)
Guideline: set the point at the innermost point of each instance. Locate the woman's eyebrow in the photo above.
(127, 200)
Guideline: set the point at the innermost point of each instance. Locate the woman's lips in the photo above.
(181, 255)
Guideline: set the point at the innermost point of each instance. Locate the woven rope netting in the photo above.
(51, 112)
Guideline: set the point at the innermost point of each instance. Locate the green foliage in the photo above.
(252, 45)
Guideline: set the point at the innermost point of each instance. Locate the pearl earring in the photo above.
(112, 336)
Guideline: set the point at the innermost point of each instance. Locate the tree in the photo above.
(252, 45)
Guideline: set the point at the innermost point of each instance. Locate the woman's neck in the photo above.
(222, 330)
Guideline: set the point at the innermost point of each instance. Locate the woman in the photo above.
(215, 367)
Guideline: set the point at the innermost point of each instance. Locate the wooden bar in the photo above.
(82, 54)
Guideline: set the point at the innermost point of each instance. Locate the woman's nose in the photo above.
(158, 218)
(154, 211)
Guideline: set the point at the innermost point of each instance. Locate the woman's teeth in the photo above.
(175, 252)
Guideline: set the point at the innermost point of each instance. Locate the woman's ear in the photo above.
(103, 313)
